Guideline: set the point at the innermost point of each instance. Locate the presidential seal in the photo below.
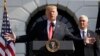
(52, 45)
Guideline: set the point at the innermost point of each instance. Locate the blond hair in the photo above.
(51, 6)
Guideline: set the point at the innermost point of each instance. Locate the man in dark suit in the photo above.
(48, 29)
(87, 47)
(41, 30)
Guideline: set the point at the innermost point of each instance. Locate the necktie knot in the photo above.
(52, 24)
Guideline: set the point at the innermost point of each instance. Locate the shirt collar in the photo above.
(85, 30)
(52, 21)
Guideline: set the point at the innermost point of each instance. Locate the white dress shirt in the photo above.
(48, 25)
(85, 33)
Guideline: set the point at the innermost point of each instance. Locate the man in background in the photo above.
(88, 46)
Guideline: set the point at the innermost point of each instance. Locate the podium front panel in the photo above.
(65, 46)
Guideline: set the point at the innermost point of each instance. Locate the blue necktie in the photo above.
(83, 34)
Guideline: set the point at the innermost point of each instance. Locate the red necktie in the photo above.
(50, 34)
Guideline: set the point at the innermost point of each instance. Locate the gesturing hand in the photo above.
(10, 37)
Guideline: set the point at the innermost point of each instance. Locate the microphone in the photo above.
(52, 24)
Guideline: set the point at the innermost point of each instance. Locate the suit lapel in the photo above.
(79, 35)
(45, 30)
(89, 33)
(56, 30)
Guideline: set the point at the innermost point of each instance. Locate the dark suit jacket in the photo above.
(39, 32)
(85, 50)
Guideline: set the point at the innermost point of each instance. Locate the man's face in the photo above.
(51, 13)
(83, 23)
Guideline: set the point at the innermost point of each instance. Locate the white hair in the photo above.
(85, 17)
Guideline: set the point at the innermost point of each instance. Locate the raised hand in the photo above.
(89, 40)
